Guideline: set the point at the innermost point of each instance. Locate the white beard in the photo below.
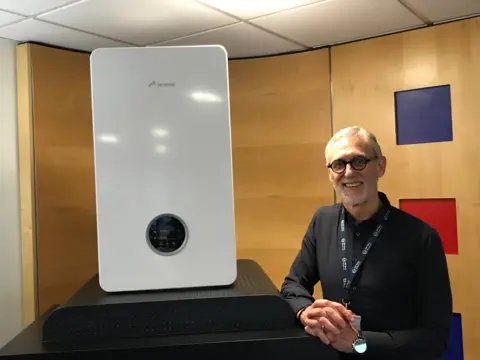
(355, 199)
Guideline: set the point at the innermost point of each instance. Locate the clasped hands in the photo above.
(331, 322)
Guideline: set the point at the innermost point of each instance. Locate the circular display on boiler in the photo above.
(166, 234)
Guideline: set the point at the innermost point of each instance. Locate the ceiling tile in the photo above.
(140, 22)
(441, 10)
(39, 31)
(240, 40)
(7, 18)
(336, 21)
(32, 7)
(248, 9)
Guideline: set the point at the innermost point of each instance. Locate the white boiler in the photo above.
(163, 168)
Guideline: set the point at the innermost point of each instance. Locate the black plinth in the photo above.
(247, 319)
(92, 314)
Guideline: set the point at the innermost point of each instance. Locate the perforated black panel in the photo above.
(251, 303)
(169, 318)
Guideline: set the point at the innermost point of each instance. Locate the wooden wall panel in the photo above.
(364, 77)
(27, 184)
(281, 122)
(64, 196)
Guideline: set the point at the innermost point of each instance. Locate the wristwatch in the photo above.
(360, 344)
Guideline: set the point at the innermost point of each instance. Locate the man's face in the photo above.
(355, 186)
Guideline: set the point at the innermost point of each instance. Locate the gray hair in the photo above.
(352, 131)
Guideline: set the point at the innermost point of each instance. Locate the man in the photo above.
(384, 277)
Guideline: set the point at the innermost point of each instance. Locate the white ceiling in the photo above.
(245, 27)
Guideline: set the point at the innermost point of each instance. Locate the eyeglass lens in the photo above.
(358, 163)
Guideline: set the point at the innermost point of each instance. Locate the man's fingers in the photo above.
(328, 326)
(312, 318)
(318, 332)
(347, 314)
(335, 318)
(311, 331)
(311, 322)
(331, 338)
(335, 314)
(321, 303)
(316, 313)
(332, 314)
(322, 336)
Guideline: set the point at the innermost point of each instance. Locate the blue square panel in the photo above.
(455, 346)
(423, 115)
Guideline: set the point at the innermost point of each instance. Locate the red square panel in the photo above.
(441, 214)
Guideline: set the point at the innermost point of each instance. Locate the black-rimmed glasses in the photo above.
(357, 163)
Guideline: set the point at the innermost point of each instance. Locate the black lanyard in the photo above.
(345, 240)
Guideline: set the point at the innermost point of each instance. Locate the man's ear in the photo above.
(382, 166)
(330, 176)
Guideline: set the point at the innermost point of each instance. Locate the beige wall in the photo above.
(10, 257)
(58, 117)
(280, 125)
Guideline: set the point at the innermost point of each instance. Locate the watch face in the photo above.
(360, 346)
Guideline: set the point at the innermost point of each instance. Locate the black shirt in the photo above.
(402, 290)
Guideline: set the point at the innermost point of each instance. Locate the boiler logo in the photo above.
(160, 84)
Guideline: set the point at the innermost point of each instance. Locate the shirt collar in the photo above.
(378, 215)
